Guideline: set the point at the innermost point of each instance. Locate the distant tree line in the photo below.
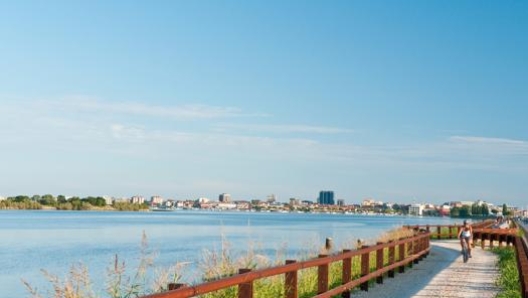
(60, 202)
(475, 210)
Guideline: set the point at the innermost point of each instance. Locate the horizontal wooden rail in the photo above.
(417, 247)
(521, 249)
(486, 235)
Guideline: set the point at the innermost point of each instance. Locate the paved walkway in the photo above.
(442, 274)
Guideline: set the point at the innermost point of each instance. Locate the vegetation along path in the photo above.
(443, 274)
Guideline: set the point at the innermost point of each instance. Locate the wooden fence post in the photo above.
(401, 253)
(438, 232)
(290, 286)
(175, 286)
(347, 273)
(410, 249)
(379, 262)
(365, 269)
(391, 259)
(245, 290)
(322, 276)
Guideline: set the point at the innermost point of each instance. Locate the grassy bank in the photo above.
(509, 275)
(121, 280)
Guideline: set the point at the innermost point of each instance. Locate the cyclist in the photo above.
(466, 234)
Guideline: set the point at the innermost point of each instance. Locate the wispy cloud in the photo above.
(184, 112)
(497, 146)
(278, 129)
(489, 141)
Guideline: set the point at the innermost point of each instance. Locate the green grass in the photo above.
(125, 282)
(509, 275)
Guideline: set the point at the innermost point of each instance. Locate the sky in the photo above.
(411, 101)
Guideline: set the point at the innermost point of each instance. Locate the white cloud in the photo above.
(182, 112)
(487, 141)
(269, 128)
(130, 133)
(485, 145)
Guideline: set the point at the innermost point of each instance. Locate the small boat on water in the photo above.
(164, 209)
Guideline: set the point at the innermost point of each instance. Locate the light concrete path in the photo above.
(442, 274)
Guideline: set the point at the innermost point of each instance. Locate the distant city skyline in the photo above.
(402, 102)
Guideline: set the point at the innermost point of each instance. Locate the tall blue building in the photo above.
(326, 197)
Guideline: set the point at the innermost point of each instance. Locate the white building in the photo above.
(203, 200)
(137, 200)
(156, 200)
(226, 206)
(271, 199)
(108, 200)
(224, 198)
(416, 209)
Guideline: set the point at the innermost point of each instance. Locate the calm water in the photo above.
(54, 240)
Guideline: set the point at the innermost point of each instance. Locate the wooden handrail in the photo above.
(419, 243)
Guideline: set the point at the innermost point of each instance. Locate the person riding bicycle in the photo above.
(466, 234)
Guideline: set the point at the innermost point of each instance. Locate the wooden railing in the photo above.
(521, 249)
(389, 257)
(488, 236)
(447, 231)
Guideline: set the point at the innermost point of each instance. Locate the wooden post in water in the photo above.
(322, 276)
(347, 273)
(329, 244)
(290, 286)
(245, 290)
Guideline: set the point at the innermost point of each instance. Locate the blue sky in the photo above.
(412, 101)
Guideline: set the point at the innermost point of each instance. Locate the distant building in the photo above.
(271, 199)
(203, 200)
(108, 200)
(445, 210)
(368, 203)
(295, 202)
(243, 205)
(137, 200)
(226, 206)
(224, 198)
(341, 202)
(416, 209)
(326, 197)
(156, 200)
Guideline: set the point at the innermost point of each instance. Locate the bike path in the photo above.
(442, 274)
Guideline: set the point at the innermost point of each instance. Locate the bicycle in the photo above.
(465, 250)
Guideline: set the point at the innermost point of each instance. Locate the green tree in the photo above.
(48, 200)
(485, 210)
(505, 211)
(465, 211)
(61, 199)
(455, 212)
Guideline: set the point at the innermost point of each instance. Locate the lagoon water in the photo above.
(55, 240)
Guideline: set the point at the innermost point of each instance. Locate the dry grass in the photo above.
(395, 234)
(121, 281)
(125, 282)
